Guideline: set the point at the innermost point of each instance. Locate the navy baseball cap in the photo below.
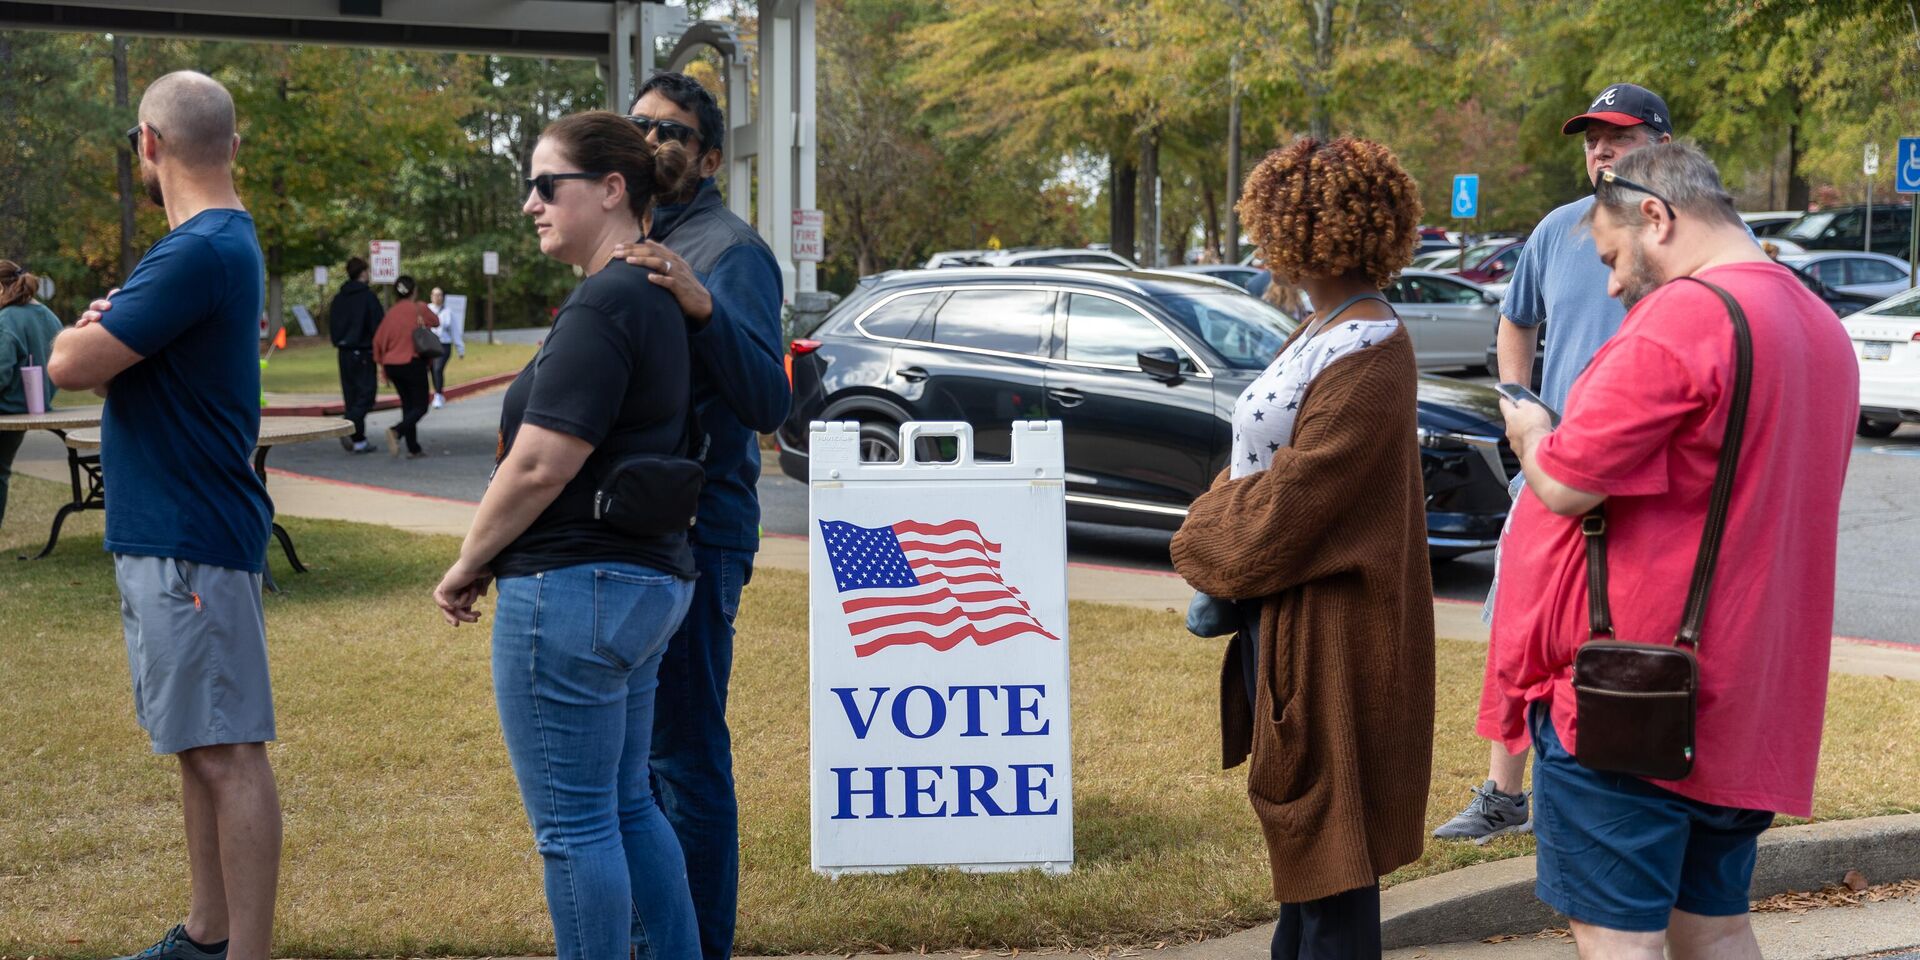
(1624, 105)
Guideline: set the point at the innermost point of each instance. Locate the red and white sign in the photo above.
(383, 259)
(940, 727)
(809, 235)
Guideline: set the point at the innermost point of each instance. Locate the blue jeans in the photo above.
(575, 657)
(692, 750)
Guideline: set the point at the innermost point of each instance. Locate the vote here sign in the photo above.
(939, 703)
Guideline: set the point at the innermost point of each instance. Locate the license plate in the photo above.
(1875, 349)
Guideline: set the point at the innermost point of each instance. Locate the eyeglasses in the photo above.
(543, 184)
(1608, 176)
(133, 135)
(671, 130)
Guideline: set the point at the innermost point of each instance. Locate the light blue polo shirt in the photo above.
(1560, 278)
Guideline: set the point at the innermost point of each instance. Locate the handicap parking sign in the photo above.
(1906, 174)
(1466, 195)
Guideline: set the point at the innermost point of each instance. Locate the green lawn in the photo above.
(313, 367)
(405, 835)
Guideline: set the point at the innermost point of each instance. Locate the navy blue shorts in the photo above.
(1618, 852)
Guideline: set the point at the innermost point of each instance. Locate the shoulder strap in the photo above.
(1593, 526)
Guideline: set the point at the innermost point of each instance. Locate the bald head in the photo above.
(193, 114)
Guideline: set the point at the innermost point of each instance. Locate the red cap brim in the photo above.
(1579, 123)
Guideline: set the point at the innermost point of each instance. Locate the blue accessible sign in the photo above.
(1466, 195)
(1906, 174)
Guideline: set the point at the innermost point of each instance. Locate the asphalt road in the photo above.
(1879, 559)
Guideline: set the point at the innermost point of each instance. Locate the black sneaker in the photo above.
(176, 946)
(1490, 814)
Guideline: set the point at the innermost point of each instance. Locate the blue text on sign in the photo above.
(1466, 195)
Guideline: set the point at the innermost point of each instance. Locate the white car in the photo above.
(1886, 338)
(1874, 276)
(1059, 257)
(1448, 318)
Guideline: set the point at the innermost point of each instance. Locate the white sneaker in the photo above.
(439, 400)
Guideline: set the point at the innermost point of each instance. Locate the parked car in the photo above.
(1843, 304)
(1446, 316)
(1491, 261)
(1844, 228)
(1232, 273)
(1870, 276)
(1886, 338)
(1141, 368)
(1442, 259)
(1767, 223)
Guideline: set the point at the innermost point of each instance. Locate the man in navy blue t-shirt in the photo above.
(176, 355)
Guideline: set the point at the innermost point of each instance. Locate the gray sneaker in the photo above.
(176, 946)
(1490, 814)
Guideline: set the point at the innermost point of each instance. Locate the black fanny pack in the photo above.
(655, 494)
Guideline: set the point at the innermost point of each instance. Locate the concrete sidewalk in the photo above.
(330, 404)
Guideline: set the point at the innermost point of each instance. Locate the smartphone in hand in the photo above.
(1520, 394)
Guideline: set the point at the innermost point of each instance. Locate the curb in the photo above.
(337, 407)
(1497, 899)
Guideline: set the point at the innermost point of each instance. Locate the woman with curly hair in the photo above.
(1317, 532)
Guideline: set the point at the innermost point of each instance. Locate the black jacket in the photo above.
(354, 316)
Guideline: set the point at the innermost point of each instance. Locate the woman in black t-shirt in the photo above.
(585, 611)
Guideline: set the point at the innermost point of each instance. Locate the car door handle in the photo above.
(911, 374)
(1067, 396)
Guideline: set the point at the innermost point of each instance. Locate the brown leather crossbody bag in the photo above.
(1637, 701)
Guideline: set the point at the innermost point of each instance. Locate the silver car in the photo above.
(1449, 318)
(1870, 276)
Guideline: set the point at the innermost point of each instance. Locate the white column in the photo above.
(777, 123)
(620, 59)
(805, 143)
(742, 139)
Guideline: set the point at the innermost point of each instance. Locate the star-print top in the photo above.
(1263, 417)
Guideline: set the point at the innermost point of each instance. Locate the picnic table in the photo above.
(88, 496)
(274, 431)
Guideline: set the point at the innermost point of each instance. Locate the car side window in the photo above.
(1008, 321)
(1872, 271)
(1100, 330)
(897, 318)
(1437, 290)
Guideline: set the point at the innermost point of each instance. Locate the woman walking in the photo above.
(589, 596)
(1318, 530)
(395, 348)
(27, 329)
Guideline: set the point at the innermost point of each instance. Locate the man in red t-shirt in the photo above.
(1637, 864)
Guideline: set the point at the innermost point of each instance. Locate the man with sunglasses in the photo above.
(1641, 864)
(1559, 277)
(187, 520)
(728, 285)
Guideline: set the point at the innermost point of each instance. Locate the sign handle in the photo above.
(912, 433)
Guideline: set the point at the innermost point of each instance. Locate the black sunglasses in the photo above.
(133, 135)
(1609, 176)
(543, 184)
(672, 130)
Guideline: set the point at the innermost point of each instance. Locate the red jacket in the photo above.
(393, 342)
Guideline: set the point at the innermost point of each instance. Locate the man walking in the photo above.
(1558, 277)
(1638, 865)
(187, 518)
(728, 285)
(351, 320)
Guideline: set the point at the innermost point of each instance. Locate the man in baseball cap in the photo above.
(1559, 275)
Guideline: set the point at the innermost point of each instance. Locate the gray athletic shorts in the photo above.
(197, 649)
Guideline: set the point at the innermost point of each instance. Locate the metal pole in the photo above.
(1866, 236)
(1913, 246)
(489, 309)
(1159, 257)
(1230, 243)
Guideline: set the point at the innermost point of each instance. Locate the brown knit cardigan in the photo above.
(1333, 537)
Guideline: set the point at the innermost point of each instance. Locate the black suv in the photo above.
(1844, 228)
(1141, 368)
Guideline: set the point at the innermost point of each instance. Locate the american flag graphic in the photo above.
(937, 584)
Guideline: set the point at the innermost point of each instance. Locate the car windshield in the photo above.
(1808, 227)
(1478, 254)
(1246, 332)
(1903, 305)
